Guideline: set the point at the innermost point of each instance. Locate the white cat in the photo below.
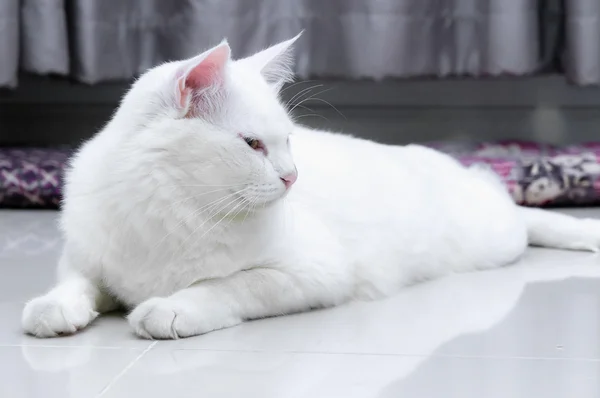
(182, 209)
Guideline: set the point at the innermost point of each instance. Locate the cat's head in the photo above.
(216, 122)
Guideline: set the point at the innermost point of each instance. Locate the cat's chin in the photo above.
(273, 202)
(258, 203)
(265, 204)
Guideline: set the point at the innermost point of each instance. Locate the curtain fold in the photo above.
(9, 42)
(101, 40)
(582, 52)
(44, 43)
(424, 38)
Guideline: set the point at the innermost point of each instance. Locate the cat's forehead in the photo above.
(264, 122)
(259, 104)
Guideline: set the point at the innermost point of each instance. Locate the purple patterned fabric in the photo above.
(538, 174)
(534, 174)
(31, 177)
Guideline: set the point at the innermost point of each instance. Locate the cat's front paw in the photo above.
(48, 316)
(172, 318)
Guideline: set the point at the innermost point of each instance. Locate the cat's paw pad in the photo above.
(160, 318)
(49, 317)
(171, 318)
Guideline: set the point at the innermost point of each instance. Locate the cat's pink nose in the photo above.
(289, 179)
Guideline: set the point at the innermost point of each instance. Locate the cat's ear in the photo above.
(276, 63)
(201, 80)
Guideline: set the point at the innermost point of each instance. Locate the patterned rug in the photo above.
(537, 174)
(534, 174)
(32, 177)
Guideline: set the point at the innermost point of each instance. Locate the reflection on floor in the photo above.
(530, 330)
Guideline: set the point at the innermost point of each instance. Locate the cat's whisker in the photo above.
(209, 218)
(312, 114)
(306, 107)
(216, 202)
(109, 187)
(204, 185)
(195, 197)
(301, 99)
(244, 206)
(195, 213)
(299, 94)
(330, 104)
(222, 218)
(239, 198)
(250, 209)
(311, 96)
(295, 84)
(172, 205)
(314, 97)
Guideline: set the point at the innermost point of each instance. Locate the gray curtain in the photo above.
(99, 40)
(582, 56)
(9, 42)
(33, 37)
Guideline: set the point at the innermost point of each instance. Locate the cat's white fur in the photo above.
(169, 211)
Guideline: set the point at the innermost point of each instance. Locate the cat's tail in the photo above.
(555, 230)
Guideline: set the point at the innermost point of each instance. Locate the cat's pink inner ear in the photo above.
(203, 72)
(210, 69)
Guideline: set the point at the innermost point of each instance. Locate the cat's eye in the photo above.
(253, 143)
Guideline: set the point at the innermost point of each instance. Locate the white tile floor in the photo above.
(531, 330)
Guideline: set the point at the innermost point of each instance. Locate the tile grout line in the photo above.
(122, 373)
(393, 354)
(100, 347)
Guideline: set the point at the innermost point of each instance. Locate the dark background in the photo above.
(45, 111)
